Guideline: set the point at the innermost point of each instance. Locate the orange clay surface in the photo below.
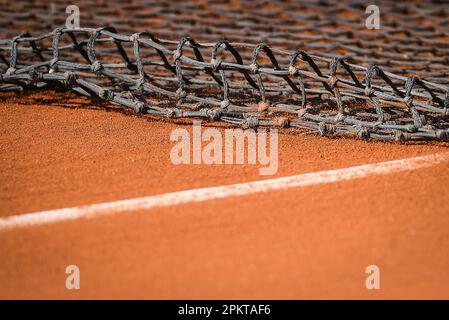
(315, 242)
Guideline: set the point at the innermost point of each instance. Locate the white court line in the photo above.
(211, 193)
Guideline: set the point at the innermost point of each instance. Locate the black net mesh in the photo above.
(312, 66)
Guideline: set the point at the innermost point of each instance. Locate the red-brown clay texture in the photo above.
(58, 150)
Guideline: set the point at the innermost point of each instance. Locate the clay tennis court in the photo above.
(345, 203)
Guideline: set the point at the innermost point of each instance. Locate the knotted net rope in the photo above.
(251, 85)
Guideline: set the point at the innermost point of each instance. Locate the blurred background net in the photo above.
(310, 65)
